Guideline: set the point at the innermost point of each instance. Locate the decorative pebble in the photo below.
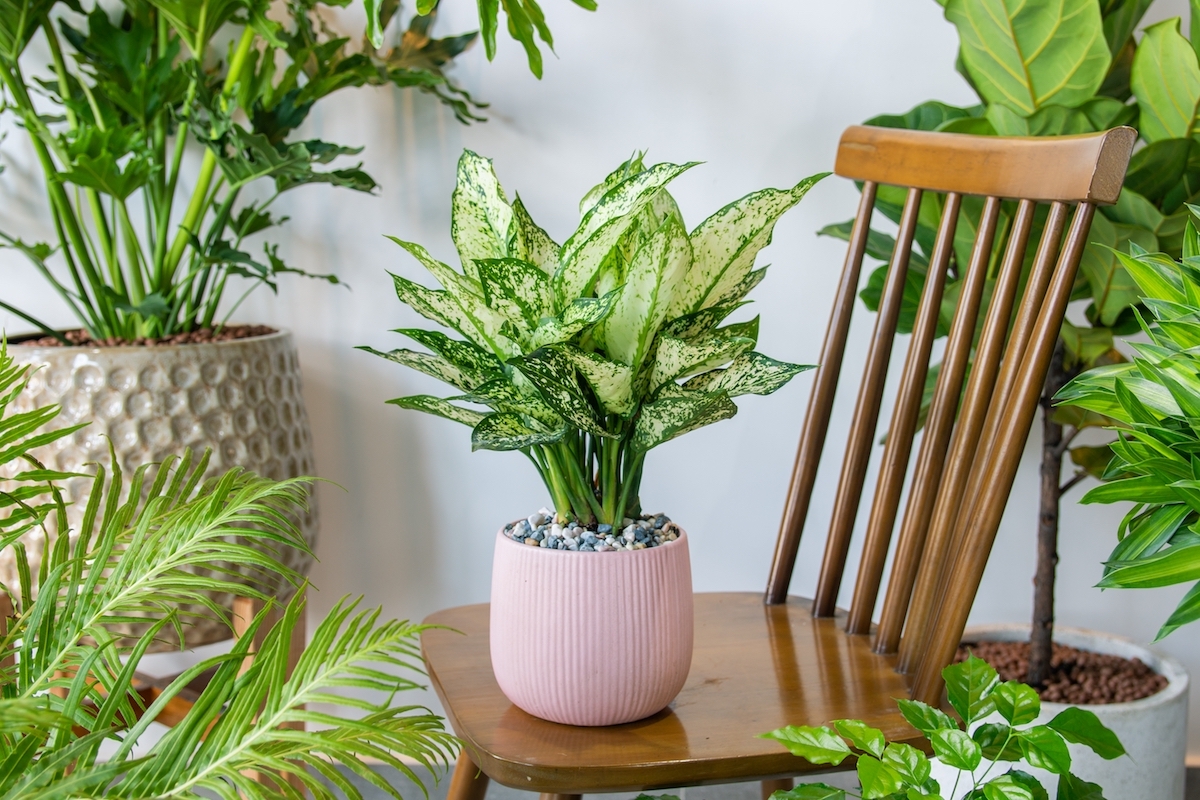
(542, 530)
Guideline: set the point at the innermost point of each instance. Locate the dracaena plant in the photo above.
(68, 682)
(1154, 405)
(585, 356)
(996, 730)
(148, 242)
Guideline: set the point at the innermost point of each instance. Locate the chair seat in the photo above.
(755, 668)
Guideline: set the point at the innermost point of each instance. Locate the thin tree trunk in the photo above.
(1047, 546)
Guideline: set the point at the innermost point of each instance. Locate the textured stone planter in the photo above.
(591, 638)
(1153, 729)
(241, 398)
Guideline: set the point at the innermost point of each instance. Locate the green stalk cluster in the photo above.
(591, 478)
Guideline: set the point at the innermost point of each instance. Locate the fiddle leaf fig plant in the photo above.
(1154, 405)
(588, 355)
(148, 242)
(997, 728)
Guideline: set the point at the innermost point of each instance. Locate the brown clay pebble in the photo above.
(82, 338)
(1077, 676)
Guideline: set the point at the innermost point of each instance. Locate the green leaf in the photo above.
(908, 761)
(605, 223)
(432, 365)
(928, 116)
(508, 431)
(1045, 749)
(1174, 565)
(481, 220)
(1083, 727)
(861, 735)
(439, 407)
(1187, 610)
(1096, 114)
(1112, 287)
(641, 306)
(374, 28)
(1072, 787)
(877, 779)
(816, 745)
(997, 742)
(532, 243)
(956, 749)
(1036, 790)
(477, 364)
(726, 244)
(1006, 788)
(750, 373)
(577, 317)
(925, 718)
(676, 414)
(969, 686)
(1032, 54)
(1017, 703)
(197, 21)
(553, 373)
(1166, 80)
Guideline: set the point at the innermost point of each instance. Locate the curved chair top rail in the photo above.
(1072, 169)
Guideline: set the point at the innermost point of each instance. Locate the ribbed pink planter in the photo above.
(564, 623)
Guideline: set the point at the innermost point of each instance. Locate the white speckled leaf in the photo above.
(516, 289)
(679, 413)
(612, 382)
(480, 217)
(699, 322)
(554, 375)
(657, 269)
(735, 294)
(508, 431)
(502, 395)
(583, 253)
(627, 170)
(439, 407)
(534, 244)
(434, 366)
(476, 363)
(679, 358)
(726, 244)
(580, 315)
(750, 373)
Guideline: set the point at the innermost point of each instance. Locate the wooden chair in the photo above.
(761, 665)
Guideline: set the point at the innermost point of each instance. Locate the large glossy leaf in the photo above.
(925, 718)
(726, 244)
(641, 307)
(928, 116)
(1017, 703)
(598, 232)
(1083, 727)
(956, 749)
(481, 221)
(969, 686)
(1028, 54)
(1044, 748)
(877, 779)
(676, 414)
(1166, 80)
(861, 735)
(818, 745)
(1096, 114)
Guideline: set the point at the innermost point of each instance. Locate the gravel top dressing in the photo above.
(540, 530)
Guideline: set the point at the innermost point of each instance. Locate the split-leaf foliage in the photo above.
(67, 678)
(148, 241)
(1154, 403)
(585, 356)
(977, 749)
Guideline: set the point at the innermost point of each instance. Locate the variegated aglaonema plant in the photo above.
(589, 354)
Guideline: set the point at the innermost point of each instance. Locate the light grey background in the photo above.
(760, 91)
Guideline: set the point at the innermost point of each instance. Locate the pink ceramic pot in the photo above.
(591, 638)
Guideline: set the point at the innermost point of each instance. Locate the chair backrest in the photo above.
(972, 441)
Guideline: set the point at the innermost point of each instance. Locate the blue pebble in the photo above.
(660, 520)
(604, 528)
(539, 536)
(588, 547)
(589, 537)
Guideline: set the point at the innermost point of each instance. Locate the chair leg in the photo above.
(468, 781)
(545, 796)
(776, 785)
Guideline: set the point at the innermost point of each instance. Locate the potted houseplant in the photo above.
(584, 357)
(1113, 80)
(67, 682)
(154, 248)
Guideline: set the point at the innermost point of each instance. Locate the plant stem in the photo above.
(558, 491)
(1042, 633)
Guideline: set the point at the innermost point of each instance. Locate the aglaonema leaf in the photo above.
(679, 413)
(553, 372)
(481, 219)
(749, 373)
(508, 431)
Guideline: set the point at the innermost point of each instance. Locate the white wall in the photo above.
(760, 91)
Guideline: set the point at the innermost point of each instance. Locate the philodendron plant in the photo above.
(998, 720)
(589, 354)
(1154, 403)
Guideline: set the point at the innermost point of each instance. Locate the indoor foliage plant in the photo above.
(584, 357)
(1046, 69)
(153, 242)
(67, 683)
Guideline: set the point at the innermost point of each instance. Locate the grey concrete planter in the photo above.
(1153, 729)
(241, 398)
